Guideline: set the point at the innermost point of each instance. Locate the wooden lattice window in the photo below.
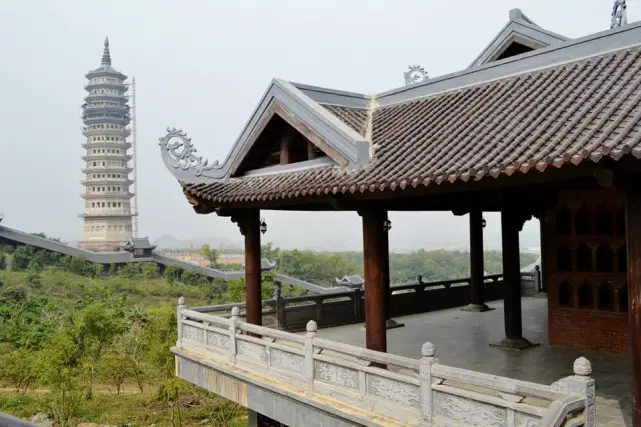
(604, 259)
(586, 295)
(583, 221)
(565, 294)
(604, 223)
(584, 258)
(563, 259)
(564, 222)
(605, 297)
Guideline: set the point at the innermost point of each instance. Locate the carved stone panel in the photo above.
(525, 420)
(469, 411)
(215, 339)
(287, 361)
(393, 391)
(193, 334)
(252, 351)
(336, 375)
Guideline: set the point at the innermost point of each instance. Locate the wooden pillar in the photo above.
(386, 272)
(374, 259)
(510, 226)
(543, 244)
(633, 241)
(477, 270)
(251, 230)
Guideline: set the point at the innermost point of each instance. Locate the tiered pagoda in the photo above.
(108, 214)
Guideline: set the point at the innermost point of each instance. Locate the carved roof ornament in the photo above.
(415, 75)
(619, 14)
(178, 153)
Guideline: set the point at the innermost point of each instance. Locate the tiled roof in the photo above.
(580, 111)
(356, 118)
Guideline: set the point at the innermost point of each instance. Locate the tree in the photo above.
(18, 369)
(193, 278)
(171, 274)
(211, 255)
(130, 270)
(150, 270)
(115, 369)
(270, 252)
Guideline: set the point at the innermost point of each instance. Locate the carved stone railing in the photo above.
(343, 308)
(386, 387)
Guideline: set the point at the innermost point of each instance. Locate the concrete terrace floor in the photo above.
(462, 340)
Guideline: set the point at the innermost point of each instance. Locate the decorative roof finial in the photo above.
(416, 74)
(619, 14)
(106, 58)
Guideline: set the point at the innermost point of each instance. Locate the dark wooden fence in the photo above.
(343, 308)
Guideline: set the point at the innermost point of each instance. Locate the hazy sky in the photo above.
(203, 66)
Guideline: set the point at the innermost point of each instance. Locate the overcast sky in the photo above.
(203, 66)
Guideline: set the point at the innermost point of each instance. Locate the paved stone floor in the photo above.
(461, 339)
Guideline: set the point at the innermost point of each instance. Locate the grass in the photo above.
(133, 409)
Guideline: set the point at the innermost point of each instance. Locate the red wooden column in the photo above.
(374, 258)
(477, 270)
(633, 239)
(511, 223)
(250, 227)
(389, 322)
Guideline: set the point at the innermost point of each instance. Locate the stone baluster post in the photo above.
(181, 305)
(582, 384)
(425, 376)
(235, 314)
(309, 354)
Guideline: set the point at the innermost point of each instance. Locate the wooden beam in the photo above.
(374, 258)
(633, 238)
(286, 148)
(311, 154)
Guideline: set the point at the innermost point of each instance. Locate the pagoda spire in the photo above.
(106, 58)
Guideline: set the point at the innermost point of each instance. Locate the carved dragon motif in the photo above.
(179, 153)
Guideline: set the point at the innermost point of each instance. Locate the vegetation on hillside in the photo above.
(86, 342)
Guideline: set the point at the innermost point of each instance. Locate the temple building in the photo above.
(539, 125)
(108, 214)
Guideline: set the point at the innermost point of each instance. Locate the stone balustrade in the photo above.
(365, 387)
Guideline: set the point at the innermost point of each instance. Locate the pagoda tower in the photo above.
(105, 114)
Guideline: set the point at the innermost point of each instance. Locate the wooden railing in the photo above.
(348, 307)
(413, 391)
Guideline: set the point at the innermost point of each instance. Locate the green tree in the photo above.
(270, 252)
(18, 369)
(171, 274)
(115, 368)
(150, 270)
(211, 255)
(193, 278)
(130, 270)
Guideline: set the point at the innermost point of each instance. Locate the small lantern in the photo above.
(483, 223)
(387, 224)
(263, 226)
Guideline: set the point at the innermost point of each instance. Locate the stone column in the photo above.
(251, 229)
(477, 270)
(510, 227)
(633, 240)
(374, 259)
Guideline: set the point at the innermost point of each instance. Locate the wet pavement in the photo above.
(462, 340)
